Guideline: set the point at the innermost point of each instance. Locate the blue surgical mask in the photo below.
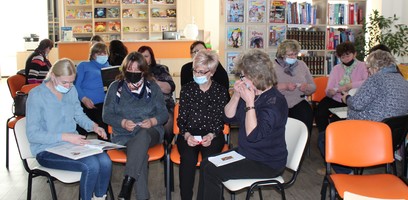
(62, 89)
(101, 59)
(200, 79)
(290, 61)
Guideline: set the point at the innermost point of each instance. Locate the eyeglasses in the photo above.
(195, 51)
(291, 54)
(200, 72)
(241, 76)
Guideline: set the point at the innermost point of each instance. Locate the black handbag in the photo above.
(19, 106)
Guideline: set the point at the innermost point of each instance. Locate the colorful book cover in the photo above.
(100, 1)
(112, 12)
(256, 37)
(83, 2)
(71, 2)
(88, 28)
(235, 36)
(235, 11)
(158, 1)
(230, 61)
(100, 26)
(155, 12)
(114, 26)
(87, 15)
(70, 14)
(114, 1)
(78, 29)
(171, 12)
(277, 11)
(127, 13)
(100, 13)
(257, 11)
(277, 34)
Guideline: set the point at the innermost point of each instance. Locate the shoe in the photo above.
(126, 190)
(99, 198)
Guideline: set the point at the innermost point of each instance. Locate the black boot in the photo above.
(126, 190)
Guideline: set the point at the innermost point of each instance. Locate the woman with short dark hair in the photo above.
(37, 64)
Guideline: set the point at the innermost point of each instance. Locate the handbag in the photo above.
(19, 105)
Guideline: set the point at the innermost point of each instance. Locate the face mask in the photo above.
(133, 77)
(62, 89)
(349, 63)
(101, 59)
(200, 79)
(290, 61)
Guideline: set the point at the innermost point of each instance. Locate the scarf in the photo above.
(142, 89)
(287, 68)
(347, 74)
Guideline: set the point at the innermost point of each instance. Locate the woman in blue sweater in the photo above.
(262, 112)
(90, 86)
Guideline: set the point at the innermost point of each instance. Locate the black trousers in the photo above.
(96, 116)
(323, 113)
(188, 161)
(303, 112)
(211, 177)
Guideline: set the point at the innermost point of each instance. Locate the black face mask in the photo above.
(133, 77)
(349, 63)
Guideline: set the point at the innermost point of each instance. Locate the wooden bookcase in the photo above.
(326, 24)
(126, 20)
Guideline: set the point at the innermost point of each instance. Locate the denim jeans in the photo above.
(321, 141)
(96, 171)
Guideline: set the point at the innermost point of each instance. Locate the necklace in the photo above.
(256, 98)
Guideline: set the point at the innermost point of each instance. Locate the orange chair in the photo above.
(156, 152)
(361, 144)
(14, 83)
(320, 93)
(174, 153)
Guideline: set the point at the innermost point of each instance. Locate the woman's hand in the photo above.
(74, 138)
(291, 86)
(148, 123)
(207, 139)
(246, 91)
(88, 103)
(129, 125)
(331, 92)
(344, 97)
(191, 141)
(303, 87)
(345, 88)
(100, 131)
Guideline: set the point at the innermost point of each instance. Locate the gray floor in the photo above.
(13, 182)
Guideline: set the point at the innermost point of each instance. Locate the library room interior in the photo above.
(165, 33)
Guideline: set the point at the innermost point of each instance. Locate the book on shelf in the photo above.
(100, 13)
(257, 11)
(114, 1)
(230, 61)
(66, 33)
(256, 36)
(235, 36)
(71, 2)
(235, 11)
(87, 15)
(277, 33)
(70, 14)
(84, 2)
(88, 28)
(114, 26)
(78, 29)
(128, 13)
(112, 12)
(158, 1)
(100, 26)
(100, 1)
(277, 11)
(76, 152)
(171, 13)
(155, 12)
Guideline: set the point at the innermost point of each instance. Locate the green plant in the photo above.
(382, 30)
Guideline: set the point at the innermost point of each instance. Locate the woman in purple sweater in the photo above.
(295, 82)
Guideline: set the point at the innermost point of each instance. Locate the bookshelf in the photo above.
(127, 20)
(318, 25)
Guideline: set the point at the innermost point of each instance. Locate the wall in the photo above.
(18, 21)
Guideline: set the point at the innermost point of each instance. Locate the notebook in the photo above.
(109, 74)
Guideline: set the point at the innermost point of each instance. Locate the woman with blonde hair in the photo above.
(53, 111)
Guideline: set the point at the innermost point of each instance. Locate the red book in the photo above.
(351, 13)
(360, 16)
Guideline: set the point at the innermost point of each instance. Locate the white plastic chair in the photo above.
(296, 135)
(34, 169)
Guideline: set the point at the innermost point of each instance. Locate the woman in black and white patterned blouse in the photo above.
(200, 119)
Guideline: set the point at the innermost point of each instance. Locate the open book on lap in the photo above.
(226, 158)
(76, 152)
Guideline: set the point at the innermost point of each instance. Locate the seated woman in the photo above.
(201, 110)
(90, 86)
(262, 112)
(117, 52)
(384, 94)
(135, 108)
(163, 78)
(37, 64)
(186, 74)
(53, 110)
(350, 73)
(295, 82)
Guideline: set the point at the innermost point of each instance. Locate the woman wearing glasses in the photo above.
(200, 119)
(295, 82)
(186, 75)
